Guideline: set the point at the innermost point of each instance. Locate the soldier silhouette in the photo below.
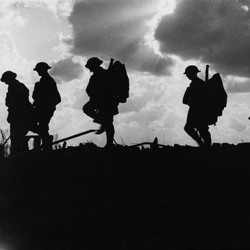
(102, 105)
(195, 97)
(19, 111)
(46, 97)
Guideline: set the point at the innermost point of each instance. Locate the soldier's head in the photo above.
(42, 68)
(191, 72)
(8, 77)
(93, 63)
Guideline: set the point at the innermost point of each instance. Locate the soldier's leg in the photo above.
(110, 132)
(43, 130)
(33, 122)
(14, 146)
(90, 109)
(17, 137)
(205, 135)
(104, 120)
(191, 131)
(23, 141)
(108, 127)
(191, 125)
(44, 120)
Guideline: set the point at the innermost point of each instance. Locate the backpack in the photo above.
(118, 80)
(216, 98)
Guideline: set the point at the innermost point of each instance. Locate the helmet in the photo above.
(191, 69)
(93, 62)
(8, 75)
(42, 65)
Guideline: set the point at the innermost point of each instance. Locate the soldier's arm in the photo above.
(24, 91)
(186, 97)
(34, 94)
(8, 100)
(90, 90)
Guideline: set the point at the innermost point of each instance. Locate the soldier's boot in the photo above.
(100, 130)
(104, 121)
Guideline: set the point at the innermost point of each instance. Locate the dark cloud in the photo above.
(216, 32)
(149, 62)
(116, 29)
(66, 69)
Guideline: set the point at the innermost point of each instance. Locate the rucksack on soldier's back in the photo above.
(118, 80)
(216, 98)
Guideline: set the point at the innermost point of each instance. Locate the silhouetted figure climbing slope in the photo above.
(195, 97)
(96, 89)
(46, 97)
(103, 90)
(19, 111)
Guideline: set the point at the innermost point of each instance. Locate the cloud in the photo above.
(145, 117)
(58, 7)
(10, 59)
(164, 122)
(9, 16)
(237, 85)
(237, 125)
(116, 29)
(66, 69)
(237, 107)
(143, 91)
(216, 32)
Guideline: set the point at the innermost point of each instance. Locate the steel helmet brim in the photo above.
(8, 75)
(191, 72)
(191, 69)
(41, 65)
(93, 62)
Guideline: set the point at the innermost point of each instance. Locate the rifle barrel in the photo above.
(207, 73)
(74, 136)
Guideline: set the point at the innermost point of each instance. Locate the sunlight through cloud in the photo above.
(163, 8)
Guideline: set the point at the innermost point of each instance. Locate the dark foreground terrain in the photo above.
(88, 198)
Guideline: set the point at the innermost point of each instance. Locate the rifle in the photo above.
(207, 73)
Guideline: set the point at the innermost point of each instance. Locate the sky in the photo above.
(155, 39)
